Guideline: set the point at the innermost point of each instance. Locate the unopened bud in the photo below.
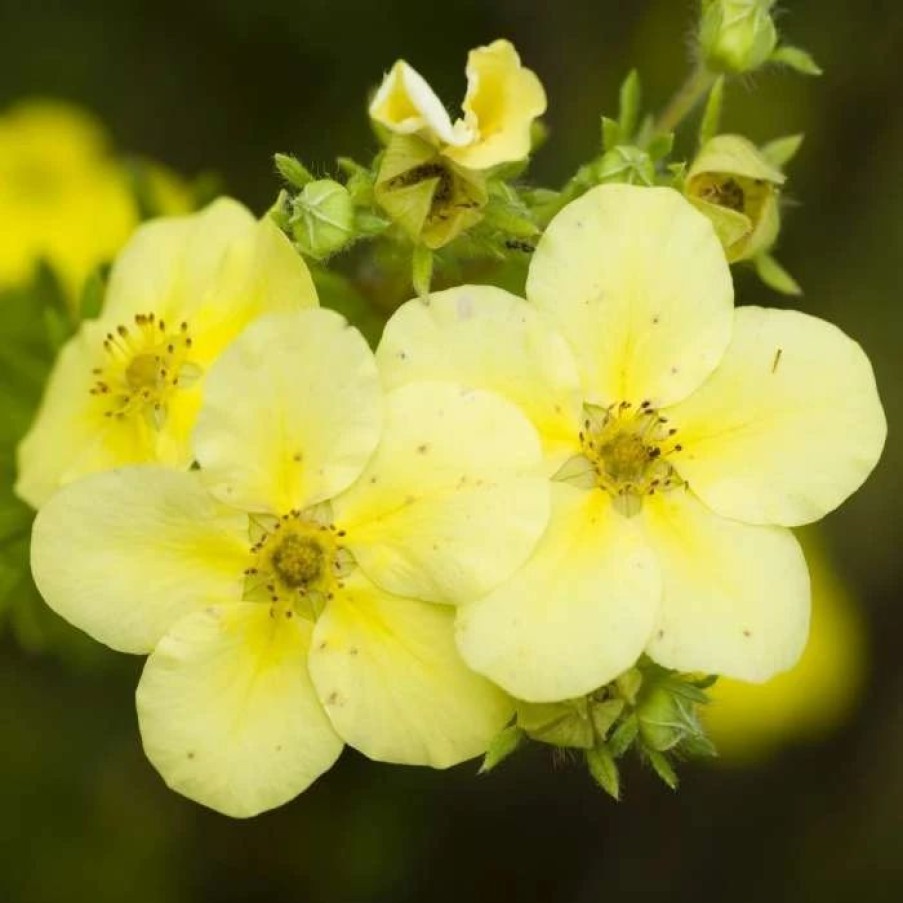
(322, 220)
(736, 36)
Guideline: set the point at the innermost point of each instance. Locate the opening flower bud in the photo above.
(735, 186)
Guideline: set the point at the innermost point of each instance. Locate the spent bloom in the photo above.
(683, 438)
(297, 591)
(69, 198)
(502, 100)
(126, 388)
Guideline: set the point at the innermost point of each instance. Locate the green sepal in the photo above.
(662, 767)
(292, 170)
(605, 714)
(624, 735)
(775, 276)
(90, 302)
(782, 150)
(422, 270)
(629, 105)
(611, 133)
(604, 770)
(660, 146)
(502, 745)
(797, 59)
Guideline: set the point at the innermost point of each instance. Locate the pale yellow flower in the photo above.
(502, 100)
(296, 591)
(683, 438)
(749, 722)
(64, 199)
(127, 387)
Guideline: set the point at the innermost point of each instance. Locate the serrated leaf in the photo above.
(629, 105)
(611, 133)
(711, 116)
(604, 770)
(775, 276)
(782, 150)
(623, 737)
(662, 768)
(501, 747)
(796, 58)
(422, 270)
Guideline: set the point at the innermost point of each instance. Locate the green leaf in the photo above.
(711, 116)
(775, 276)
(629, 107)
(662, 767)
(797, 59)
(782, 150)
(501, 746)
(422, 270)
(604, 770)
(92, 296)
(660, 146)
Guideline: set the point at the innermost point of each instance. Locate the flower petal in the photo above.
(787, 427)
(292, 412)
(735, 597)
(503, 98)
(406, 104)
(124, 554)
(636, 281)
(446, 508)
(486, 338)
(391, 679)
(577, 614)
(228, 714)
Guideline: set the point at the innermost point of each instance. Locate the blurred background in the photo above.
(807, 801)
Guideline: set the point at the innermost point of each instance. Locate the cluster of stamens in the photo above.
(299, 564)
(628, 451)
(145, 363)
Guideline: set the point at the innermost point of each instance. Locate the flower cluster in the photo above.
(544, 517)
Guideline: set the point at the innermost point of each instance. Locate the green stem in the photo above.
(682, 103)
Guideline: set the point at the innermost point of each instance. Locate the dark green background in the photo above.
(221, 86)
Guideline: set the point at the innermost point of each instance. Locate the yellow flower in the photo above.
(503, 98)
(287, 590)
(750, 721)
(683, 439)
(63, 198)
(127, 387)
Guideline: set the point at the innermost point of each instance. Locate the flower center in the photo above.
(628, 452)
(299, 563)
(145, 364)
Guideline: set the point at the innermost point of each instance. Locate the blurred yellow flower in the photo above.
(683, 438)
(126, 387)
(296, 592)
(64, 199)
(502, 100)
(750, 721)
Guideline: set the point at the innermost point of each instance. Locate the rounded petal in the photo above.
(124, 554)
(448, 507)
(503, 98)
(735, 597)
(788, 426)
(636, 281)
(484, 337)
(292, 411)
(406, 104)
(391, 679)
(228, 714)
(579, 612)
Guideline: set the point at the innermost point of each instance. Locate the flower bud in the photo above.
(322, 218)
(625, 164)
(735, 186)
(431, 198)
(736, 36)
